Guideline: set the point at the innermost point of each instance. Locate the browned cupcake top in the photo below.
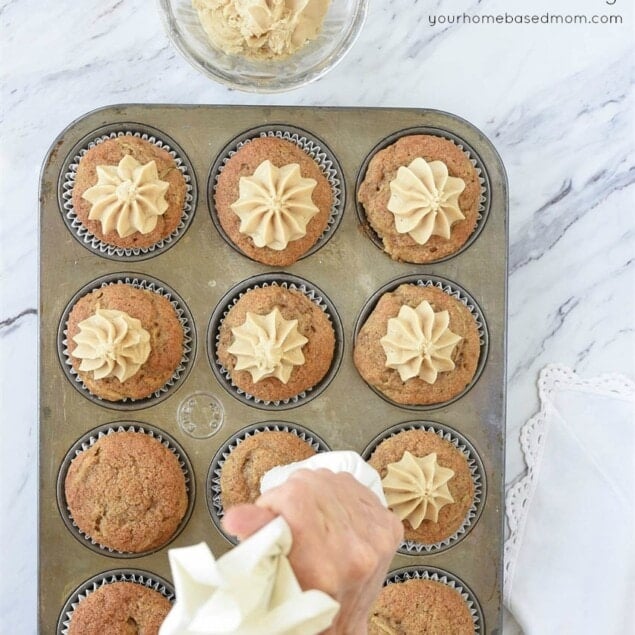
(374, 194)
(370, 356)
(127, 492)
(421, 443)
(244, 163)
(252, 458)
(313, 324)
(158, 317)
(109, 153)
(420, 607)
(120, 608)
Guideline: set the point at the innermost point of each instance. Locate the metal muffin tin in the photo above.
(201, 268)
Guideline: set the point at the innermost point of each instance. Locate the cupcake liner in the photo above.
(414, 548)
(145, 578)
(86, 442)
(445, 577)
(452, 289)
(483, 177)
(311, 145)
(287, 281)
(214, 503)
(67, 182)
(139, 281)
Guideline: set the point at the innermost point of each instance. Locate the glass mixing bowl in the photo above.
(341, 27)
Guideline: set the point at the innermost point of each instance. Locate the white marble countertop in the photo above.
(555, 99)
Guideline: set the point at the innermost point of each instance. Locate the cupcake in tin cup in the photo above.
(275, 341)
(420, 342)
(420, 600)
(119, 601)
(125, 489)
(433, 479)
(423, 195)
(276, 194)
(126, 340)
(127, 194)
(239, 465)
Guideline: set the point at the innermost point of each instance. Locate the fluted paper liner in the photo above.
(313, 147)
(67, 182)
(214, 503)
(86, 442)
(184, 316)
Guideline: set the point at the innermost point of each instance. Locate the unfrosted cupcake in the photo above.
(129, 192)
(275, 343)
(421, 196)
(272, 200)
(124, 342)
(252, 458)
(427, 482)
(419, 346)
(127, 492)
(120, 608)
(420, 607)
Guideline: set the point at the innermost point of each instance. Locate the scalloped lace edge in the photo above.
(552, 378)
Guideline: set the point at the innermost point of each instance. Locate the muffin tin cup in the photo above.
(144, 578)
(484, 199)
(213, 490)
(287, 281)
(313, 147)
(452, 289)
(477, 471)
(86, 442)
(67, 182)
(139, 281)
(445, 577)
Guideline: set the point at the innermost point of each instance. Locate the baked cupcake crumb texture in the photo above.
(129, 193)
(422, 197)
(255, 455)
(120, 608)
(419, 345)
(420, 607)
(127, 492)
(454, 484)
(108, 333)
(274, 200)
(280, 351)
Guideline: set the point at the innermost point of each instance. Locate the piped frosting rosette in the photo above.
(416, 488)
(114, 344)
(274, 207)
(128, 197)
(424, 197)
(264, 350)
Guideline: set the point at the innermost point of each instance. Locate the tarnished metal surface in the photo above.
(201, 267)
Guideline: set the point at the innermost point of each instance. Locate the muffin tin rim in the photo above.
(105, 430)
(228, 301)
(158, 584)
(212, 479)
(475, 510)
(392, 285)
(485, 195)
(338, 207)
(186, 319)
(137, 130)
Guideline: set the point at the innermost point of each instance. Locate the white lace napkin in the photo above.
(570, 558)
(252, 589)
